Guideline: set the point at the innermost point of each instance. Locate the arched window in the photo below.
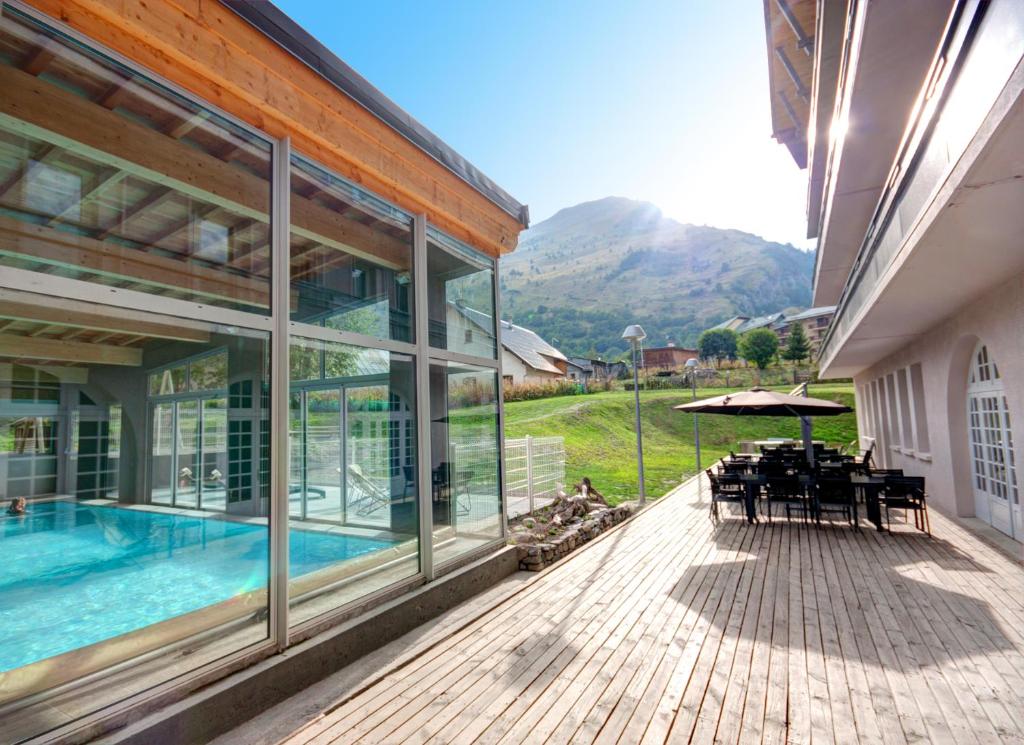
(993, 468)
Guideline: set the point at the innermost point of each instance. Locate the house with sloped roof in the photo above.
(526, 357)
(743, 324)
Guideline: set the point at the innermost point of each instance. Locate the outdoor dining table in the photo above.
(868, 488)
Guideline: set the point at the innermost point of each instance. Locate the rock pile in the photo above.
(571, 522)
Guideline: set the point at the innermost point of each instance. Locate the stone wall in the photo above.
(537, 556)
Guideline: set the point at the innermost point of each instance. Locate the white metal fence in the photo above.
(534, 472)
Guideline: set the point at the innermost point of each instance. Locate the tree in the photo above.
(797, 347)
(759, 346)
(718, 344)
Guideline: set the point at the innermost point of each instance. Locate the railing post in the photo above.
(529, 471)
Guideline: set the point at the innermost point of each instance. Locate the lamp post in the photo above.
(691, 365)
(634, 334)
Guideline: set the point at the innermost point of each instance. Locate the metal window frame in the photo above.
(34, 287)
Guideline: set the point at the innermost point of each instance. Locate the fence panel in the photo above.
(534, 473)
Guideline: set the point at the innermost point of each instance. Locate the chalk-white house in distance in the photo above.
(909, 117)
(525, 356)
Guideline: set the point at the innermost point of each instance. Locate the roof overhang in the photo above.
(891, 46)
(789, 29)
(275, 24)
(933, 276)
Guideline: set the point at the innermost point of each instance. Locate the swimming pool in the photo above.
(76, 574)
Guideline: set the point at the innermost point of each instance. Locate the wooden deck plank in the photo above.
(670, 629)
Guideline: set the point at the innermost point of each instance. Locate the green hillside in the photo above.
(600, 443)
(582, 275)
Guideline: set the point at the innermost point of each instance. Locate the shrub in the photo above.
(759, 346)
(531, 390)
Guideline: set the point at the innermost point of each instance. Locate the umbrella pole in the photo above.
(806, 433)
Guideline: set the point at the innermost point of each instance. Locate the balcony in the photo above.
(952, 186)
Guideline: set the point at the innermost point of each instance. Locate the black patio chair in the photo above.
(835, 493)
(725, 488)
(907, 493)
(789, 487)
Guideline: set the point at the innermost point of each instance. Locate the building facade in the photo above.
(234, 402)
(527, 358)
(912, 131)
(815, 322)
(666, 359)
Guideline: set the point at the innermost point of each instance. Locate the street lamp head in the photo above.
(692, 363)
(634, 333)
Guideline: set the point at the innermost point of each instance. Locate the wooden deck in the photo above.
(669, 630)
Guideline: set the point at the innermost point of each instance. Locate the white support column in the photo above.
(501, 407)
(425, 503)
(279, 384)
(529, 472)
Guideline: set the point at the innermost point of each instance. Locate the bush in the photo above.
(531, 390)
(759, 346)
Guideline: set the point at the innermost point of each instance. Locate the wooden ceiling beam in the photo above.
(40, 59)
(24, 347)
(79, 253)
(110, 177)
(151, 201)
(38, 109)
(12, 311)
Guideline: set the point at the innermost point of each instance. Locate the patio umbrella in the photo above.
(762, 402)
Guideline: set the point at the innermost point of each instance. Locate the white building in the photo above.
(527, 358)
(909, 117)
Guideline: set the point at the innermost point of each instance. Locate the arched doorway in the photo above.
(990, 437)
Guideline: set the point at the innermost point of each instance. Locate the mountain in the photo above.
(582, 275)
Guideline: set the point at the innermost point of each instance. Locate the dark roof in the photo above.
(824, 310)
(273, 23)
(529, 347)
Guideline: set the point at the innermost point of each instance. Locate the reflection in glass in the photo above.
(460, 284)
(158, 194)
(126, 471)
(354, 272)
(464, 452)
(352, 476)
(187, 470)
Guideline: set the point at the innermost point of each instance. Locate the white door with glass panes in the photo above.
(993, 468)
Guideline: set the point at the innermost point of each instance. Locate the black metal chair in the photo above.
(787, 485)
(835, 493)
(725, 488)
(906, 493)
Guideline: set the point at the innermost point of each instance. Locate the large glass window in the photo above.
(110, 178)
(351, 257)
(134, 489)
(352, 488)
(464, 451)
(460, 286)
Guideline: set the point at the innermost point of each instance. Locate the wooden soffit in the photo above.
(208, 50)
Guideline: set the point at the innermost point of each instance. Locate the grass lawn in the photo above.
(600, 442)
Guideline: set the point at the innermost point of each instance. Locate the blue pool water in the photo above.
(73, 574)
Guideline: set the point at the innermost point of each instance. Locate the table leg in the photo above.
(874, 509)
(751, 505)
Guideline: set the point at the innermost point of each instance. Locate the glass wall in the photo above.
(136, 447)
(460, 288)
(351, 257)
(97, 442)
(352, 490)
(464, 451)
(109, 178)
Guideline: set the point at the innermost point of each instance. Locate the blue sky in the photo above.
(562, 102)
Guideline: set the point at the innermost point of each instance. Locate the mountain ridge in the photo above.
(580, 276)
